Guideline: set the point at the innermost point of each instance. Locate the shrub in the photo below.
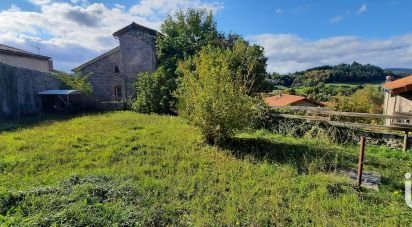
(154, 92)
(211, 98)
(77, 81)
(366, 100)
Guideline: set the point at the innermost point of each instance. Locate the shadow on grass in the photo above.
(9, 125)
(306, 158)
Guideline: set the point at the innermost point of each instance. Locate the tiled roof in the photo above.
(12, 50)
(286, 100)
(399, 86)
(283, 100)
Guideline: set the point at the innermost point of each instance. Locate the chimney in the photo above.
(388, 79)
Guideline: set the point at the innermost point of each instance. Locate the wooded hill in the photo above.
(342, 73)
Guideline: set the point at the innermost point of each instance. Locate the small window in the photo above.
(118, 93)
(116, 69)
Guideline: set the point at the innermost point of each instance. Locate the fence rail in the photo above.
(323, 114)
(319, 110)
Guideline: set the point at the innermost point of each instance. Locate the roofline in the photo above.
(312, 101)
(96, 59)
(399, 89)
(302, 98)
(135, 25)
(59, 92)
(28, 54)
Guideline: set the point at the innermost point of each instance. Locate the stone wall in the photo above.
(19, 88)
(103, 77)
(138, 54)
(119, 68)
(398, 103)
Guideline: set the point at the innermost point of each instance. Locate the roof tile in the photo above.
(399, 86)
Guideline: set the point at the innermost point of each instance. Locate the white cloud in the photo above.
(362, 9)
(75, 31)
(336, 19)
(157, 8)
(289, 53)
(13, 8)
(279, 11)
(40, 2)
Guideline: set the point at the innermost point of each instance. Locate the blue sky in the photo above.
(296, 34)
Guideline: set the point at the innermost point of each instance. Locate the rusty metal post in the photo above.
(360, 163)
(405, 141)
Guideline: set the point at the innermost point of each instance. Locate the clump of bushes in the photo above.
(366, 100)
(271, 121)
(212, 96)
(203, 75)
(154, 92)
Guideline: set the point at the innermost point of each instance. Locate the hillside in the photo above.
(127, 169)
(400, 71)
(342, 73)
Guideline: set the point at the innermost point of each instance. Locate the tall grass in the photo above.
(128, 169)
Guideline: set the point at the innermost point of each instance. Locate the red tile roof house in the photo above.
(291, 100)
(398, 97)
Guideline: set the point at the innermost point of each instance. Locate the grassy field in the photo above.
(125, 169)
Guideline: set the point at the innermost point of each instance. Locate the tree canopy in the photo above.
(183, 36)
(354, 72)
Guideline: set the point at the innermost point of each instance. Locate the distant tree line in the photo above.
(323, 92)
(341, 73)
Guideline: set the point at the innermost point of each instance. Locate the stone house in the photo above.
(291, 100)
(398, 98)
(114, 73)
(24, 59)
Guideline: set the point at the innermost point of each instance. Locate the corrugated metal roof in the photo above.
(399, 86)
(59, 92)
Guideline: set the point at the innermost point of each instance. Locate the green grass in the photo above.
(353, 84)
(123, 168)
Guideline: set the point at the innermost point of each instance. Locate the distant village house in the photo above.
(291, 100)
(25, 59)
(398, 98)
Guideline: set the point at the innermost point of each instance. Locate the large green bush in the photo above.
(212, 97)
(366, 100)
(154, 92)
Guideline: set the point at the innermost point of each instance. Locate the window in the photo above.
(118, 93)
(116, 69)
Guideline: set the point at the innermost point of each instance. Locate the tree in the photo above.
(366, 100)
(248, 63)
(182, 36)
(77, 81)
(211, 98)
